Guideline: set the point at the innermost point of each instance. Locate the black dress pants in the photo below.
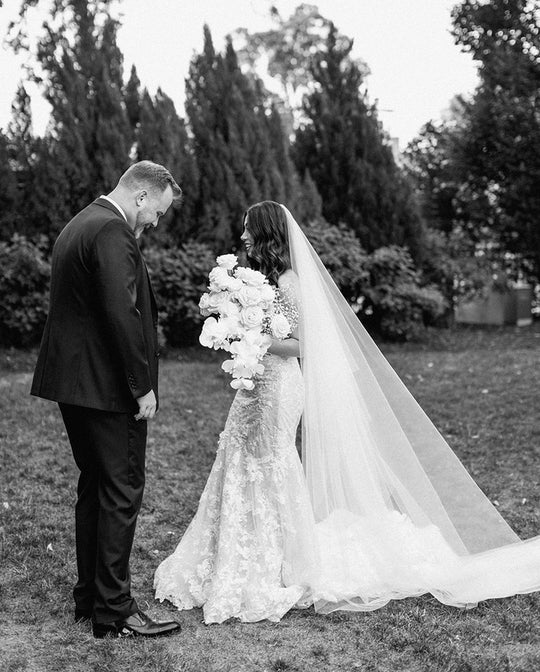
(109, 449)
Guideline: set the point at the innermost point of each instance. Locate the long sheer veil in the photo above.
(368, 447)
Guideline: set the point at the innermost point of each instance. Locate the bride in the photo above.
(380, 507)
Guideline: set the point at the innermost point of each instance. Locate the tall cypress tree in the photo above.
(40, 190)
(132, 98)
(161, 136)
(88, 139)
(343, 148)
(238, 144)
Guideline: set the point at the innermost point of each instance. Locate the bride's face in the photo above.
(247, 239)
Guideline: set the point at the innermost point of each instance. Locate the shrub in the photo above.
(384, 287)
(342, 254)
(179, 277)
(24, 290)
(397, 306)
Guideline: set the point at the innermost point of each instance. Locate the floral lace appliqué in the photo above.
(249, 550)
(286, 303)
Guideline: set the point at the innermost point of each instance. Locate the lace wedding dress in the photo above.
(249, 552)
(380, 507)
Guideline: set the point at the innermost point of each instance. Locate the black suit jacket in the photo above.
(99, 347)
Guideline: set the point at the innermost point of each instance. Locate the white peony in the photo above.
(227, 261)
(250, 277)
(280, 326)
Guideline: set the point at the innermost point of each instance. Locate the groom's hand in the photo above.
(147, 406)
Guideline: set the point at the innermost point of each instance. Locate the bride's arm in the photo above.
(288, 347)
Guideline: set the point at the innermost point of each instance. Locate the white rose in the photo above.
(229, 309)
(219, 279)
(280, 326)
(234, 284)
(268, 293)
(227, 261)
(204, 306)
(249, 276)
(248, 296)
(251, 316)
(213, 301)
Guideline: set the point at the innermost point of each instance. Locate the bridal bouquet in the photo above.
(241, 298)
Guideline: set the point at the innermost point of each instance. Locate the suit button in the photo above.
(157, 353)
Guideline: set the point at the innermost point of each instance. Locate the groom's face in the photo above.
(151, 205)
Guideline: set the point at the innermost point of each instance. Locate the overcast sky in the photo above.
(415, 67)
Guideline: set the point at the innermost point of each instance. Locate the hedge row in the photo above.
(384, 287)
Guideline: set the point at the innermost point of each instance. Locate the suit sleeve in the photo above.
(116, 255)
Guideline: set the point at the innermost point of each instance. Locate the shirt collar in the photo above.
(107, 198)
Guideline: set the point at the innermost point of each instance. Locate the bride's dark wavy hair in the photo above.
(267, 224)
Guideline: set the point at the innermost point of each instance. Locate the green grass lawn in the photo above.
(480, 387)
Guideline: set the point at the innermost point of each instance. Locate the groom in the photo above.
(98, 360)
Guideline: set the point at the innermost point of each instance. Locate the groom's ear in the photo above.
(140, 197)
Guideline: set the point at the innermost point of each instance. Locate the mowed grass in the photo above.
(480, 387)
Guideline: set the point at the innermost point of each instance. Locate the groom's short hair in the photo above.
(150, 175)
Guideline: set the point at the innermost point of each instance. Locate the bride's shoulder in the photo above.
(287, 279)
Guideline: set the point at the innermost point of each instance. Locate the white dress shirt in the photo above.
(115, 205)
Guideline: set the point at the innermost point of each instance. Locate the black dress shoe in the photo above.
(138, 624)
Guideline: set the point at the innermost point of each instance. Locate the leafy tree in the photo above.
(462, 246)
(348, 157)
(502, 145)
(288, 49)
